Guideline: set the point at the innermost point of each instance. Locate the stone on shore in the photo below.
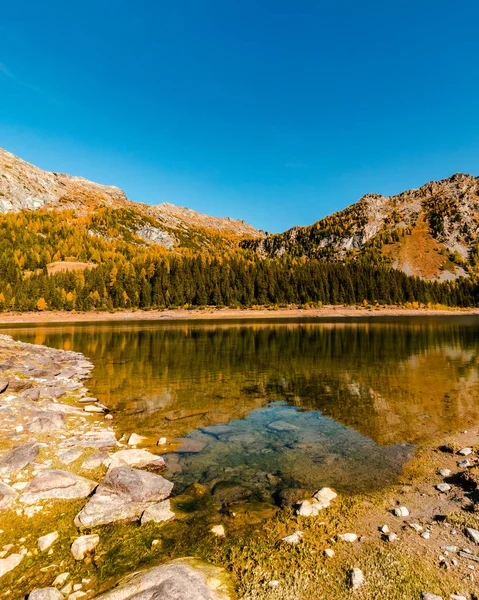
(49, 593)
(136, 458)
(321, 500)
(94, 461)
(9, 563)
(294, 538)
(179, 579)
(18, 458)
(123, 495)
(46, 422)
(7, 495)
(218, 530)
(45, 541)
(472, 534)
(56, 484)
(357, 578)
(158, 513)
(465, 451)
(83, 545)
(135, 439)
(70, 456)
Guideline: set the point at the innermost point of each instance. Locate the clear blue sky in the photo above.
(276, 111)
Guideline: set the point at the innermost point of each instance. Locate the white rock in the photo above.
(46, 541)
(93, 408)
(135, 458)
(19, 428)
(50, 593)
(294, 538)
(329, 553)
(357, 578)
(324, 496)
(60, 579)
(135, 439)
(158, 513)
(463, 463)
(9, 563)
(384, 529)
(273, 583)
(465, 451)
(83, 545)
(449, 548)
(401, 511)
(457, 597)
(218, 530)
(393, 537)
(443, 487)
(472, 534)
(348, 537)
(427, 596)
(161, 442)
(444, 472)
(426, 535)
(416, 526)
(76, 595)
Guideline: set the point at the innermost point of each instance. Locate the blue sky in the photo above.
(278, 112)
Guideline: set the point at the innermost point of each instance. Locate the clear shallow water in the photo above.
(262, 406)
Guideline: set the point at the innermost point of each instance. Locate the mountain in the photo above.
(25, 187)
(430, 232)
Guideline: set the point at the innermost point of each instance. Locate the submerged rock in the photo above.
(123, 495)
(18, 458)
(56, 484)
(177, 580)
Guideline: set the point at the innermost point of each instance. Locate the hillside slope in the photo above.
(430, 232)
(105, 211)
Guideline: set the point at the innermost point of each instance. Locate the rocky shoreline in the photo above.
(53, 434)
(67, 483)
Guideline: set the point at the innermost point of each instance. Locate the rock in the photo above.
(136, 458)
(56, 484)
(76, 595)
(472, 534)
(357, 578)
(444, 472)
(325, 496)
(401, 511)
(161, 442)
(416, 526)
(136, 439)
(70, 456)
(19, 385)
(465, 451)
(9, 563)
(177, 580)
(32, 394)
(290, 496)
(83, 545)
(18, 458)
(49, 593)
(190, 446)
(426, 535)
(47, 422)
(3, 385)
(94, 408)
(95, 439)
(294, 538)
(347, 537)
(321, 500)
(94, 461)
(7, 495)
(427, 596)
(158, 513)
(384, 529)
(463, 463)
(46, 541)
(443, 487)
(392, 537)
(218, 530)
(124, 494)
(457, 597)
(329, 553)
(60, 579)
(228, 492)
(282, 426)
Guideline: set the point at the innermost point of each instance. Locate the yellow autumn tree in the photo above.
(42, 304)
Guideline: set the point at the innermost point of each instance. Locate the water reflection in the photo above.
(357, 391)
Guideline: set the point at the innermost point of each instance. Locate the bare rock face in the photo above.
(18, 458)
(184, 579)
(123, 495)
(55, 484)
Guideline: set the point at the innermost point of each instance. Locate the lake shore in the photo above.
(211, 313)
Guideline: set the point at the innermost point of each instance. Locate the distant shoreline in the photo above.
(326, 312)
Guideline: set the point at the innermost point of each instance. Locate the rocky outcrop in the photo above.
(123, 495)
(184, 579)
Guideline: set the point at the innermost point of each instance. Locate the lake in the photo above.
(253, 408)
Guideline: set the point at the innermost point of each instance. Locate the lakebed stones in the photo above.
(158, 513)
(183, 578)
(83, 545)
(54, 484)
(321, 499)
(123, 495)
(18, 458)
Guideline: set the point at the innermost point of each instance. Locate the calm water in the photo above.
(257, 407)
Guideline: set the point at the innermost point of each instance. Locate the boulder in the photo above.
(357, 578)
(136, 458)
(94, 461)
(158, 513)
(48, 421)
(472, 534)
(56, 484)
(183, 579)
(49, 593)
(47, 540)
(9, 563)
(70, 456)
(123, 495)
(18, 458)
(7, 495)
(83, 545)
